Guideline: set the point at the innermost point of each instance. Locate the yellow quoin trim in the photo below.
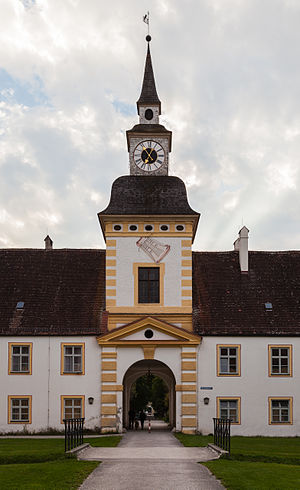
(186, 263)
(186, 292)
(110, 282)
(111, 253)
(109, 365)
(112, 388)
(186, 243)
(186, 253)
(62, 358)
(110, 302)
(283, 346)
(188, 398)
(108, 410)
(190, 410)
(290, 398)
(109, 398)
(232, 398)
(187, 302)
(111, 272)
(111, 243)
(109, 377)
(27, 397)
(238, 347)
(188, 377)
(188, 365)
(111, 292)
(189, 422)
(109, 355)
(186, 355)
(161, 267)
(111, 262)
(186, 282)
(186, 273)
(21, 344)
(185, 387)
(75, 397)
(108, 422)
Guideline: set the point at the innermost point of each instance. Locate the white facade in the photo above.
(46, 385)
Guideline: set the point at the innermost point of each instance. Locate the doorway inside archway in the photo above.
(149, 385)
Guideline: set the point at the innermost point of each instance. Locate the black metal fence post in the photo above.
(73, 433)
(222, 433)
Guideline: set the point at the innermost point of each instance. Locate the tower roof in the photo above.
(148, 93)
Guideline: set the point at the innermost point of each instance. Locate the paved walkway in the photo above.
(150, 461)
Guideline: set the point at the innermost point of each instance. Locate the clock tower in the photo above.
(149, 228)
(149, 143)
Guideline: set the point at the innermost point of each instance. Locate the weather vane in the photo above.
(146, 19)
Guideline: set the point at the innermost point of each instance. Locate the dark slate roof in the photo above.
(148, 93)
(226, 302)
(63, 291)
(153, 195)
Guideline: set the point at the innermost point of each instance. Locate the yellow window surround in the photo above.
(161, 268)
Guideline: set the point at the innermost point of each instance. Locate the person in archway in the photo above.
(131, 415)
(142, 418)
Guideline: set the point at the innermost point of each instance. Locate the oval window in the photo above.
(149, 333)
(148, 114)
(132, 227)
(117, 227)
(164, 227)
(148, 227)
(179, 227)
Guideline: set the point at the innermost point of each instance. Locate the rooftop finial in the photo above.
(146, 19)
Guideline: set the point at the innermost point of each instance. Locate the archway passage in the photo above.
(147, 373)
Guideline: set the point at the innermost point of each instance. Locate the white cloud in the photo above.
(228, 81)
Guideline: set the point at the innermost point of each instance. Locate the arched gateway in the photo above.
(156, 368)
(133, 349)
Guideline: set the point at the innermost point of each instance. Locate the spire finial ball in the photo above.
(148, 38)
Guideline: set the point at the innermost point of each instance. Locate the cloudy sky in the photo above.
(228, 75)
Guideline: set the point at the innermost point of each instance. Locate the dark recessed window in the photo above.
(269, 306)
(179, 227)
(148, 334)
(20, 305)
(148, 227)
(132, 227)
(117, 227)
(164, 227)
(148, 114)
(148, 284)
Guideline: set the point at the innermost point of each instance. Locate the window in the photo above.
(19, 409)
(20, 358)
(280, 410)
(228, 360)
(72, 407)
(280, 357)
(229, 408)
(148, 284)
(72, 358)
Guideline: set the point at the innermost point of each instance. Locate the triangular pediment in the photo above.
(149, 330)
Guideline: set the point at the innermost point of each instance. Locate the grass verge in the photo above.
(42, 463)
(239, 475)
(255, 463)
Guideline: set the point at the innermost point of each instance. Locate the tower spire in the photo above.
(148, 94)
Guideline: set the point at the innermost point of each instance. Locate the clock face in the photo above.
(149, 155)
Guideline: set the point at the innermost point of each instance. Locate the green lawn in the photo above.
(255, 462)
(42, 463)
